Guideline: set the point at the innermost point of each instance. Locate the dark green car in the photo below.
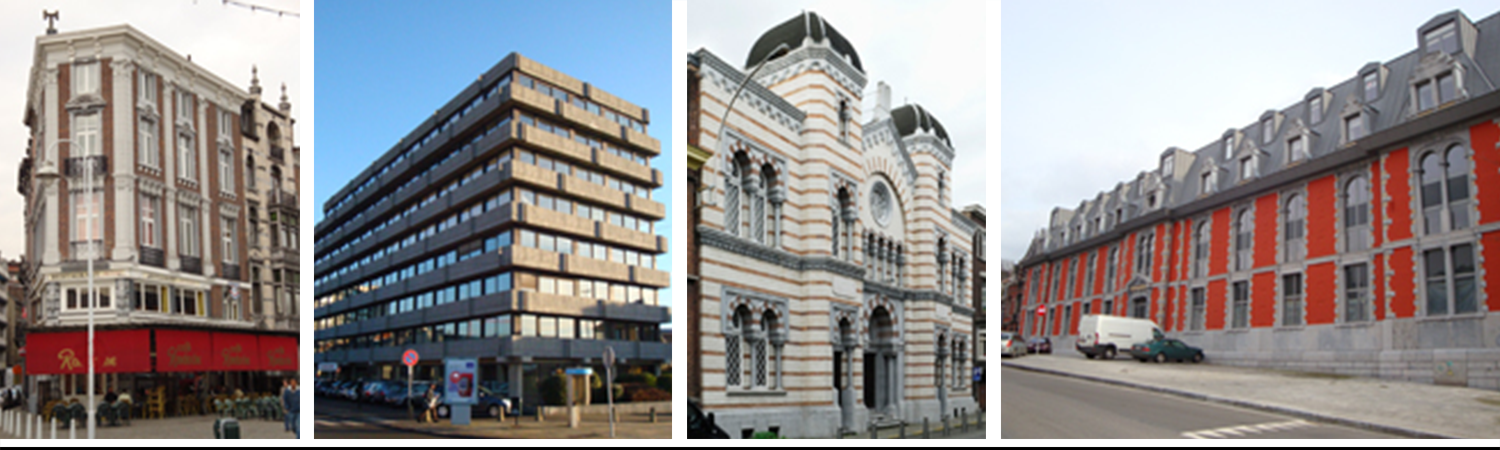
(1161, 350)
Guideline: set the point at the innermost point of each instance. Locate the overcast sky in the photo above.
(930, 53)
(1094, 91)
(225, 40)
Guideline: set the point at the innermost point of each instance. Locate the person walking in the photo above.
(286, 416)
(430, 401)
(292, 405)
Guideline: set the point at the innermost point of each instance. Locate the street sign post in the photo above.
(410, 359)
(609, 392)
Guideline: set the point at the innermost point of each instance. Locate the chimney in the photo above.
(882, 99)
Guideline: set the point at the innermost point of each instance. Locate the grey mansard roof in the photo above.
(1179, 192)
(795, 31)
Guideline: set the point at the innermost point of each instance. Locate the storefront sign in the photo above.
(116, 351)
(278, 353)
(183, 351)
(236, 351)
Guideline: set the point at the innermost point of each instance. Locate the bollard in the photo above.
(925, 431)
(872, 431)
(54, 428)
(947, 430)
(903, 430)
(72, 429)
(963, 420)
(539, 414)
(653, 414)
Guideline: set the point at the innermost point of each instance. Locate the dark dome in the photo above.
(792, 33)
(909, 117)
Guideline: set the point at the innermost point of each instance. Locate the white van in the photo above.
(1100, 335)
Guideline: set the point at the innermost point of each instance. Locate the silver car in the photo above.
(1012, 345)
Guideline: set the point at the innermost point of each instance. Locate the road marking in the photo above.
(1242, 430)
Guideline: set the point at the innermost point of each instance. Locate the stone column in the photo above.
(776, 194)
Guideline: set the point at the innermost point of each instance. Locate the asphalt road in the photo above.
(1040, 406)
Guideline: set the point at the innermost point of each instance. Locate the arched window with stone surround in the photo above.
(732, 195)
(768, 368)
(844, 213)
(1293, 228)
(1445, 190)
(733, 360)
(769, 232)
(1357, 215)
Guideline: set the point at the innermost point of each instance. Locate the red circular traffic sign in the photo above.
(410, 358)
(1041, 310)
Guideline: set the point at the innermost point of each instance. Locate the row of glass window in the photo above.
(485, 94)
(500, 326)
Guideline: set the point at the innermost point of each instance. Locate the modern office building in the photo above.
(515, 226)
(135, 161)
(833, 290)
(1354, 232)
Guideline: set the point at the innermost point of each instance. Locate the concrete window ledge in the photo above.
(1289, 328)
(755, 393)
(1365, 324)
(1452, 317)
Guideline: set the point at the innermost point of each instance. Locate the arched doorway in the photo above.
(880, 365)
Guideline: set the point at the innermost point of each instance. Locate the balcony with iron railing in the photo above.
(82, 250)
(229, 271)
(153, 257)
(76, 166)
(191, 264)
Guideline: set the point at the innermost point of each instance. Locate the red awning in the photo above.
(236, 351)
(278, 353)
(117, 351)
(183, 351)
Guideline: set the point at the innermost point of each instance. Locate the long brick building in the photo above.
(1351, 232)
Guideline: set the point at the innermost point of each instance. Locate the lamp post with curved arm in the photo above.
(780, 50)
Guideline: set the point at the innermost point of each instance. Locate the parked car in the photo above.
(702, 426)
(349, 391)
(1010, 345)
(396, 394)
(1161, 350)
(1103, 336)
(371, 391)
(1039, 345)
(489, 404)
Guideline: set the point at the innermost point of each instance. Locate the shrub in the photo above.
(672, 384)
(650, 394)
(554, 390)
(642, 378)
(766, 435)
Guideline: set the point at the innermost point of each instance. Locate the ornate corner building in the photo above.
(514, 226)
(1354, 231)
(830, 277)
(151, 167)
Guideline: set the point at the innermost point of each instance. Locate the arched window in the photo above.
(775, 195)
(1294, 219)
(1244, 245)
(844, 117)
(732, 197)
(733, 361)
(1445, 190)
(1357, 215)
(250, 172)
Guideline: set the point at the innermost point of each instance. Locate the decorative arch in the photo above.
(758, 323)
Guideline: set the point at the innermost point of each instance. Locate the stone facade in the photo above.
(1350, 233)
(833, 288)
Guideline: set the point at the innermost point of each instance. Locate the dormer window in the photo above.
(1207, 180)
(1267, 127)
(1228, 147)
(1372, 86)
(1315, 110)
(1247, 168)
(1151, 201)
(1296, 149)
(1166, 165)
(1430, 96)
(1098, 224)
(1119, 216)
(1354, 127)
(1442, 39)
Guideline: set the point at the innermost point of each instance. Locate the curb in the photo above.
(1241, 403)
(434, 433)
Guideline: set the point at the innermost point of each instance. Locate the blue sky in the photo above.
(1094, 91)
(385, 66)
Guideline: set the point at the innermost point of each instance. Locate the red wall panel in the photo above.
(1214, 309)
(1263, 300)
(1375, 287)
(1129, 259)
(1377, 219)
(1321, 291)
(1491, 243)
(1487, 171)
(1159, 263)
(1218, 259)
(1321, 205)
(1398, 167)
(1266, 216)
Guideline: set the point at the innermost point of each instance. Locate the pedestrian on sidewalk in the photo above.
(429, 403)
(290, 402)
(286, 417)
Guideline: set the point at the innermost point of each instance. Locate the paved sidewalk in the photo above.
(914, 431)
(1412, 409)
(629, 426)
(195, 427)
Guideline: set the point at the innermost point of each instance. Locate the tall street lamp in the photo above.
(780, 50)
